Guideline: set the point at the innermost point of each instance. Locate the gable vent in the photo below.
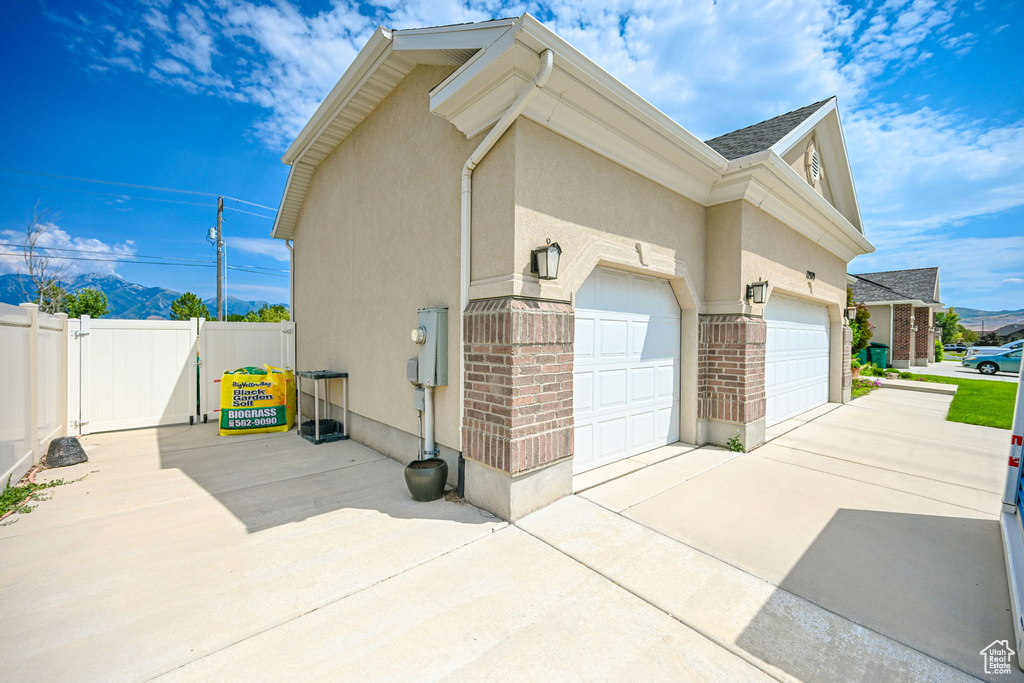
(815, 166)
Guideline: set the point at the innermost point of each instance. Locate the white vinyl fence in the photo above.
(32, 403)
(65, 377)
(228, 346)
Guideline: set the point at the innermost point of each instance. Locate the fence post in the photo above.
(32, 414)
(85, 376)
(62, 395)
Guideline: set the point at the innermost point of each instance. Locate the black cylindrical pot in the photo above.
(426, 478)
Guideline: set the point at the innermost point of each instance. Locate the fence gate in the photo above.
(227, 346)
(131, 373)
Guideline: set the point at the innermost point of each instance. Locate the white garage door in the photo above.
(796, 357)
(626, 381)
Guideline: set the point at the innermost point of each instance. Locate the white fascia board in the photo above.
(917, 303)
(580, 102)
(459, 37)
(767, 181)
(355, 75)
(277, 216)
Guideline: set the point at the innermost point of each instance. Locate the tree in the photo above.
(188, 305)
(90, 302)
(950, 324)
(44, 271)
(988, 339)
(967, 336)
(277, 313)
(862, 329)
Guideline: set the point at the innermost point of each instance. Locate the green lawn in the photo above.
(979, 401)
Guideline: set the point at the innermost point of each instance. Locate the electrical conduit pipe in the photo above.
(547, 61)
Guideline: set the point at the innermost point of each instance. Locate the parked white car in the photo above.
(989, 350)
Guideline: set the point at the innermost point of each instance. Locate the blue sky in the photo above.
(205, 96)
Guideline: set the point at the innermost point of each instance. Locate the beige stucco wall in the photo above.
(881, 319)
(797, 160)
(377, 239)
(568, 194)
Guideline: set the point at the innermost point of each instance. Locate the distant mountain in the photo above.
(126, 299)
(976, 319)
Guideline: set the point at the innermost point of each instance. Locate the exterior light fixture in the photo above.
(544, 261)
(811, 276)
(851, 312)
(758, 292)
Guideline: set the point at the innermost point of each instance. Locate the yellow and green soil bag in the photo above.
(256, 400)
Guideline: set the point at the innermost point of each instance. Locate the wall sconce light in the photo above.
(758, 292)
(544, 261)
(851, 312)
(811, 275)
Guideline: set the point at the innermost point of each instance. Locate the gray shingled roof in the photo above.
(1009, 329)
(761, 136)
(896, 285)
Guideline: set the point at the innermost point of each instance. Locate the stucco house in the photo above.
(444, 167)
(1009, 333)
(902, 305)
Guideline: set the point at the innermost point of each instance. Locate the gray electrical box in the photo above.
(418, 399)
(433, 357)
(412, 370)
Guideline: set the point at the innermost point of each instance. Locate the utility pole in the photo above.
(220, 259)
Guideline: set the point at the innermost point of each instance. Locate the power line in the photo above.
(231, 208)
(138, 187)
(197, 264)
(128, 256)
(108, 194)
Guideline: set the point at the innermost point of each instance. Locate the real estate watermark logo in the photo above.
(997, 657)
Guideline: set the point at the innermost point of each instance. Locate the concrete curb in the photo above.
(915, 385)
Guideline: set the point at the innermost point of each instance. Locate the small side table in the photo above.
(322, 429)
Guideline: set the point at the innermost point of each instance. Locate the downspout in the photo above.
(547, 61)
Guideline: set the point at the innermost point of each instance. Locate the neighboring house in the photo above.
(902, 304)
(445, 156)
(1009, 333)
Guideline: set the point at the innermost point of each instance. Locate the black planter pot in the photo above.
(426, 478)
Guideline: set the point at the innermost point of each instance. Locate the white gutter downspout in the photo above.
(547, 61)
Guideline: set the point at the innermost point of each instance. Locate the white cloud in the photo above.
(275, 249)
(70, 256)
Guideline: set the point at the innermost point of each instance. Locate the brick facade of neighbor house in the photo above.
(923, 320)
(903, 323)
(518, 402)
(730, 381)
(847, 357)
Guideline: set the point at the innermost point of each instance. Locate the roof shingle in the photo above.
(895, 285)
(761, 136)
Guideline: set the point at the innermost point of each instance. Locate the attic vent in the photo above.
(815, 166)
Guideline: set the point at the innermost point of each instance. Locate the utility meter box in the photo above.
(433, 356)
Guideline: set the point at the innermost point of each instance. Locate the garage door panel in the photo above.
(583, 391)
(796, 357)
(641, 384)
(627, 400)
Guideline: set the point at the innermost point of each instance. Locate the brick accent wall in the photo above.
(518, 403)
(847, 355)
(922, 318)
(902, 322)
(730, 368)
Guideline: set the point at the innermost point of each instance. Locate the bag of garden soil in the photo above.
(256, 400)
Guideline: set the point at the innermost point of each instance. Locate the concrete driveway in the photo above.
(952, 368)
(861, 545)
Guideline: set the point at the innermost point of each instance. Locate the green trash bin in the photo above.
(878, 354)
(862, 356)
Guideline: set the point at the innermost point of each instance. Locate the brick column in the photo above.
(730, 380)
(518, 404)
(902, 335)
(922, 319)
(847, 356)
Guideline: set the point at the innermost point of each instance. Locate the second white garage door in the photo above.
(796, 357)
(626, 376)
